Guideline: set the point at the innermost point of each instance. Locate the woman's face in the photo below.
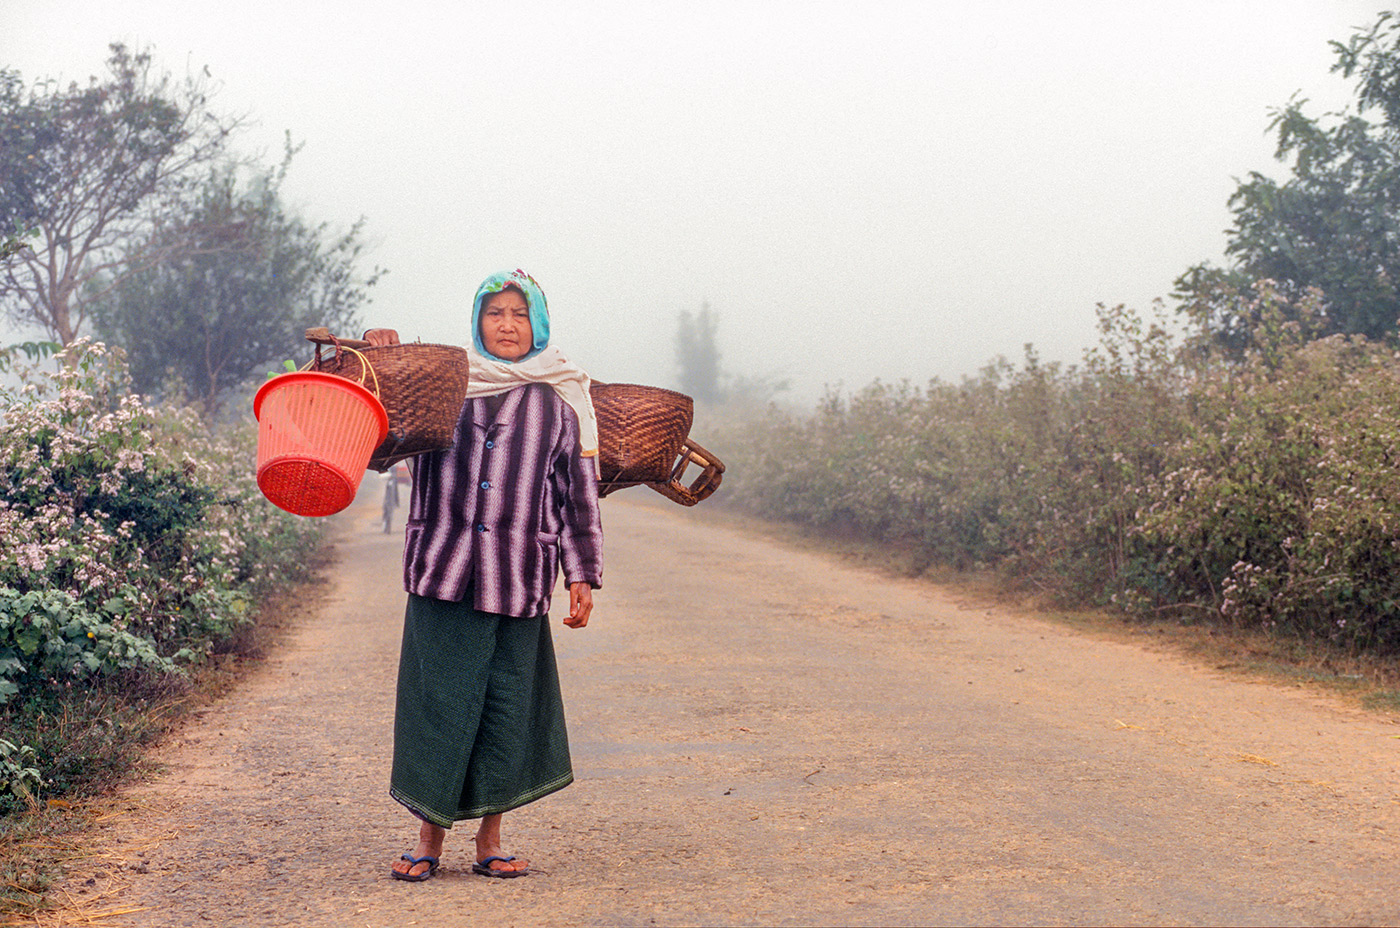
(505, 325)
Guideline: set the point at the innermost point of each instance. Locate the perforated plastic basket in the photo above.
(315, 435)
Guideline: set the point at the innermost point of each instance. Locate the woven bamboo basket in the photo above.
(640, 431)
(643, 439)
(421, 385)
(677, 489)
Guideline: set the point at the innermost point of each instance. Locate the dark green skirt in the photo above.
(479, 721)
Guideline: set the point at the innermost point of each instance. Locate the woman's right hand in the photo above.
(378, 338)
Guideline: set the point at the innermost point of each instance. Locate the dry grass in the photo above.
(57, 843)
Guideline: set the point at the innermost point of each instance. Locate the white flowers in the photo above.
(115, 501)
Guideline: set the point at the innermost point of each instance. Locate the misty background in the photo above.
(886, 189)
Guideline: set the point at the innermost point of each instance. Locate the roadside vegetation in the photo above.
(1231, 462)
(137, 550)
(1155, 478)
(138, 554)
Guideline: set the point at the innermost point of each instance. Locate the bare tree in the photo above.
(96, 169)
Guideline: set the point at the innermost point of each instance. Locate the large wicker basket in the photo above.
(640, 431)
(643, 439)
(421, 385)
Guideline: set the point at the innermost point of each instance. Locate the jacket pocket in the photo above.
(412, 553)
(548, 560)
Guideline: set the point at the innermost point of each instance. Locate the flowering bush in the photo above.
(1282, 507)
(1036, 467)
(136, 539)
(1258, 490)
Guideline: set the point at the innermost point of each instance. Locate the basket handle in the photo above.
(708, 480)
(322, 336)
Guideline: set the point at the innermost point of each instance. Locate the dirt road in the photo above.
(765, 736)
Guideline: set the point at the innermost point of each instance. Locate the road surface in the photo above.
(764, 735)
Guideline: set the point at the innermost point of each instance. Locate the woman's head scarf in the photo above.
(490, 375)
(534, 297)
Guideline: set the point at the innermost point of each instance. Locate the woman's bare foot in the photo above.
(488, 844)
(430, 839)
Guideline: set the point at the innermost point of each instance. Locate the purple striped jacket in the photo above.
(495, 515)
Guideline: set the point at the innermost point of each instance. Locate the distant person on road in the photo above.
(479, 720)
(391, 499)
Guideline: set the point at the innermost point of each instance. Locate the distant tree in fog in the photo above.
(221, 312)
(1333, 225)
(18, 139)
(697, 354)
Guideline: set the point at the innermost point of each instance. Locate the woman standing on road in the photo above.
(479, 720)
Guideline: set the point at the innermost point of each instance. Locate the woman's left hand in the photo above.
(580, 604)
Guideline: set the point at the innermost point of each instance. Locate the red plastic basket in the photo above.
(315, 436)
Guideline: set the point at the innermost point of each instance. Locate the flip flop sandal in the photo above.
(483, 867)
(413, 862)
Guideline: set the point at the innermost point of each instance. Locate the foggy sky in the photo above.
(903, 191)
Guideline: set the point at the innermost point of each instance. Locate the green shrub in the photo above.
(1258, 490)
(1283, 506)
(136, 544)
(49, 639)
(19, 780)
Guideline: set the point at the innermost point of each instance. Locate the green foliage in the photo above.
(12, 243)
(241, 294)
(136, 543)
(1282, 505)
(18, 777)
(32, 351)
(1373, 57)
(1334, 223)
(50, 639)
(1261, 492)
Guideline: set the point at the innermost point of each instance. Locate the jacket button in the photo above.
(490, 445)
(486, 484)
(480, 527)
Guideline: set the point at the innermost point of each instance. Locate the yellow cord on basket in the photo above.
(364, 366)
